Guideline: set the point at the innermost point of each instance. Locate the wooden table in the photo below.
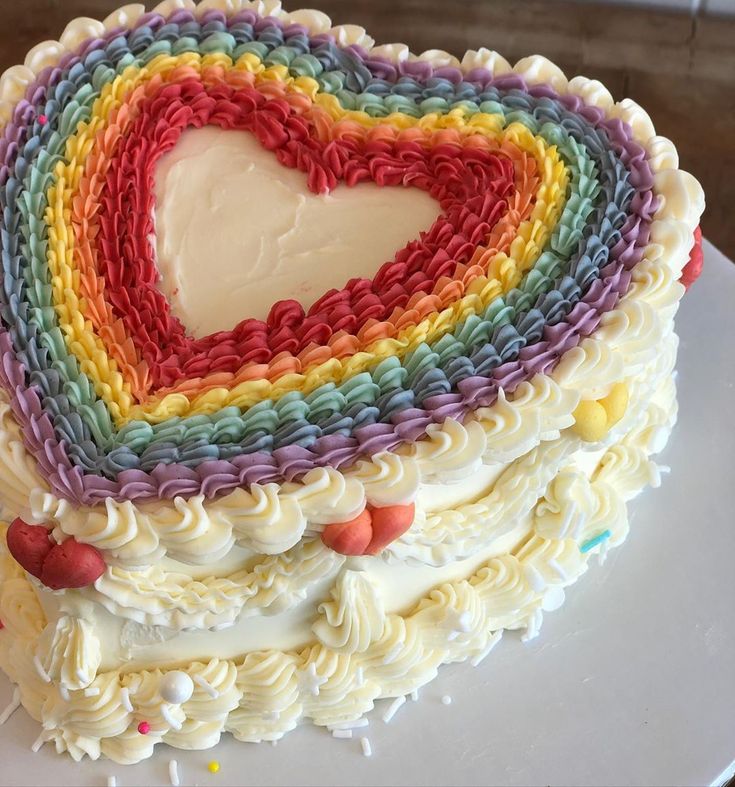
(680, 68)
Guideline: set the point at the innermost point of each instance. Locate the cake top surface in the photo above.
(539, 195)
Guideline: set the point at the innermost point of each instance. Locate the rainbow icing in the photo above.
(545, 208)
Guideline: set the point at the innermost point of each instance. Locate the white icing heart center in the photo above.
(237, 231)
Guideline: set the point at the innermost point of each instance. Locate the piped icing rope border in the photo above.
(296, 467)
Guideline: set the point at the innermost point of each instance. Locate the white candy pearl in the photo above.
(176, 687)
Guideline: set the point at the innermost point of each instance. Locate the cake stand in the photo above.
(631, 682)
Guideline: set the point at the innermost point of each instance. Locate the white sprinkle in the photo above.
(92, 691)
(458, 623)
(45, 677)
(367, 749)
(492, 642)
(349, 725)
(13, 706)
(173, 773)
(125, 697)
(111, 781)
(360, 676)
(341, 733)
(169, 718)
(199, 680)
(464, 622)
(533, 627)
(534, 578)
(446, 700)
(602, 553)
(220, 626)
(560, 570)
(312, 681)
(415, 695)
(64, 693)
(392, 654)
(40, 740)
(393, 708)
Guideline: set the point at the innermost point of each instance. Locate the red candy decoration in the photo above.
(66, 565)
(350, 538)
(693, 268)
(144, 728)
(72, 565)
(42, 119)
(388, 524)
(370, 532)
(30, 545)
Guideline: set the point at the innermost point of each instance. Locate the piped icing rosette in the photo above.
(548, 196)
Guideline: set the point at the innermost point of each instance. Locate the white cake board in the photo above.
(631, 682)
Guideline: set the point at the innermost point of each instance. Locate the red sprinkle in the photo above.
(144, 728)
(42, 119)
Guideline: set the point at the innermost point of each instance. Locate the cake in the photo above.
(323, 364)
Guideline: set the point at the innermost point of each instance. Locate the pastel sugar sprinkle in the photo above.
(595, 541)
(213, 766)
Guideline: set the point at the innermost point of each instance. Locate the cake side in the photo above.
(534, 400)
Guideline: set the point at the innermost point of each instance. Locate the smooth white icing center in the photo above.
(237, 231)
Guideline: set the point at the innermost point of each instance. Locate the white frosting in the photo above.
(591, 91)
(636, 117)
(126, 16)
(80, 30)
(495, 63)
(313, 20)
(347, 35)
(538, 70)
(254, 234)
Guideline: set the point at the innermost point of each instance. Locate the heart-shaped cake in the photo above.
(339, 359)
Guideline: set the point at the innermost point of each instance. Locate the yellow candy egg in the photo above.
(615, 403)
(594, 418)
(590, 421)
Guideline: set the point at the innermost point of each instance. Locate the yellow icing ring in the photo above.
(504, 271)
